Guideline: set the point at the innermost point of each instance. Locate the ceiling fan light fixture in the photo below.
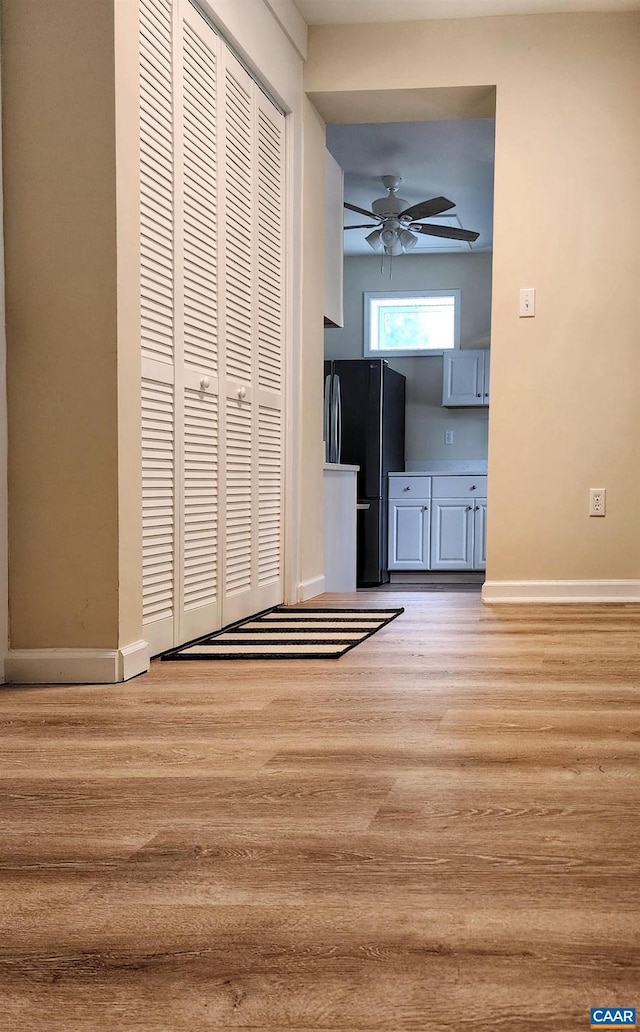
(388, 235)
(400, 226)
(407, 239)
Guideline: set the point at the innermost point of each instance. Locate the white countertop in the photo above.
(445, 467)
(340, 467)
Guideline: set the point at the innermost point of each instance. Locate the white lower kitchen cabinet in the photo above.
(437, 522)
(458, 534)
(480, 534)
(459, 505)
(452, 534)
(409, 534)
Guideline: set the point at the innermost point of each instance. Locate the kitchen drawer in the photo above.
(459, 487)
(409, 487)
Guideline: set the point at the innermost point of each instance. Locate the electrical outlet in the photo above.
(597, 501)
(448, 437)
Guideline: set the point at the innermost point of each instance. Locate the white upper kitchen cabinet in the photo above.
(465, 378)
(334, 242)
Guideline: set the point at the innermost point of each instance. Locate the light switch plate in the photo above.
(527, 302)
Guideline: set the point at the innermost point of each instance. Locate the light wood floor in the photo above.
(439, 831)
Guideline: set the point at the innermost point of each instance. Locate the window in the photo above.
(411, 322)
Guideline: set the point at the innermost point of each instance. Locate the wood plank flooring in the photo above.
(440, 830)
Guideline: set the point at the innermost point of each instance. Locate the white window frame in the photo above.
(382, 295)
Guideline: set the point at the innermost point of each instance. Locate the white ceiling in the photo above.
(355, 12)
(454, 159)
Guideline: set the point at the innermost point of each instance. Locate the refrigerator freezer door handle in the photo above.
(334, 421)
(373, 462)
(327, 418)
(338, 419)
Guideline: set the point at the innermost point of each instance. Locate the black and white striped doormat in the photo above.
(290, 633)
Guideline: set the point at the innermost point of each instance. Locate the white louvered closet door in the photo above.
(240, 485)
(199, 610)
(269, 295)
(252, 313)
(157, 246)
(212, 237)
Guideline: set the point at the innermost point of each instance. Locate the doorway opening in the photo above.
(431, 529)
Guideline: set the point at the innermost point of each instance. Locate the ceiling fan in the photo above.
(396, 225)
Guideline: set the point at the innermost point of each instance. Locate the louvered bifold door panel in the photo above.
(270, 344)
(158, 510)
(239, 508)
(270, 224)
(200, 194)
(157, 330)
(212, 330)
(270, 489)
(199, 306)
(156, 179)
(239, 216)
(239, 335)
(200, 514)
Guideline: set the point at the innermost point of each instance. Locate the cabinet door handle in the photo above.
(407, 488)
(469, 508)
(478, 395)
(425, 508)
(473, 487)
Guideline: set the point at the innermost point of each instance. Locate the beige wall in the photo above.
(126, 34)
(311, 550)
(72, 168)
(564, 413)
(66, 521)
(426, 419)
(4, 557)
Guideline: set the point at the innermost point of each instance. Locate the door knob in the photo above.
(242, 393)
(204, 383)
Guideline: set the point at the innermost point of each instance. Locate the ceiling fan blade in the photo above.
(427, 209)
(361, 211)
(367, 225)
(448, 232)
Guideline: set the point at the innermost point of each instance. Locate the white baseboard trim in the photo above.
(570, 592)
(77, 666)
(310, 588)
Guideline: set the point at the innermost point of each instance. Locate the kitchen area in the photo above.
(407, 362)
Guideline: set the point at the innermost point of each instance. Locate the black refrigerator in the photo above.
(364, 403)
